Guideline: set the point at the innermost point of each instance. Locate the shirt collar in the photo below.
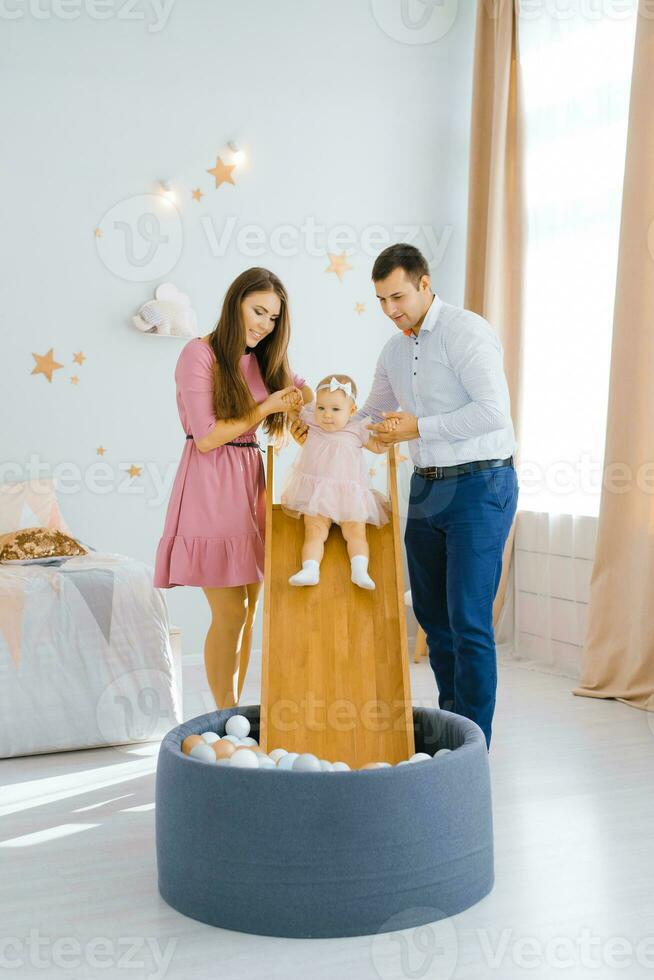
(431, 318)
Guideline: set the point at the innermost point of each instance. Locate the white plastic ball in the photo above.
(404, 762)
(204, 752)
(222, 762)
(232, 738)
(244, 759)
(276, 754)
(265, 762)
(307, 762)
(248, 740)
(384, 765)
(326, 766)
(340, 767)
(210, 737)
(420, 757)
(237, 725)
(286, 761)
(442, 752)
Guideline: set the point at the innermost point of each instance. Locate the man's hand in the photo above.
(396, 427)
(299, 431)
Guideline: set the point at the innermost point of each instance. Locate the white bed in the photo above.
(85, 656)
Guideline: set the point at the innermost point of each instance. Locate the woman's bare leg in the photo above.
(229, 609)
(253, 591)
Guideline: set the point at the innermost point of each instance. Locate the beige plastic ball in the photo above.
(190, 741)
(224, 749)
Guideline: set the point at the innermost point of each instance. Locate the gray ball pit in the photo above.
(318, 855)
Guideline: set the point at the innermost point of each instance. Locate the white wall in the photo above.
(345, 123)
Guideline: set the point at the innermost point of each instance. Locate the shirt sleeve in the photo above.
(194, 376)
(475, 354)
(381, 398)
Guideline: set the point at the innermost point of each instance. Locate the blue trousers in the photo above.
(455, 535)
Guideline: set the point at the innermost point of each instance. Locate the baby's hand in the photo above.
(390, 423)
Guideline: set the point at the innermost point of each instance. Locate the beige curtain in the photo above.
(494, 261)
(618, 655)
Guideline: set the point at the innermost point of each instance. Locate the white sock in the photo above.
(308, 575)
(360, 575)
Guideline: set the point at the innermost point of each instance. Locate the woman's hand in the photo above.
(286, 400)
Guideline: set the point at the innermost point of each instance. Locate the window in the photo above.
(576, 70)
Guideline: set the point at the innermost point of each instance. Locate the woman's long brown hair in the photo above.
(232, 397)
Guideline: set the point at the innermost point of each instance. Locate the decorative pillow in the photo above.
(31, 503)
(38, 542)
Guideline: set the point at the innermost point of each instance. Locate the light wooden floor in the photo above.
(574, 819)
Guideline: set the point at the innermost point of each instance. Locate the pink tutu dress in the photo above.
(329, 475)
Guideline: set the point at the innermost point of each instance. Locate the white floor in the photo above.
(574, 893)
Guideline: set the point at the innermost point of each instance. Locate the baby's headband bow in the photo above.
(335, 384)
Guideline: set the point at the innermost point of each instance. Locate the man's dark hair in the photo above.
(401, 256)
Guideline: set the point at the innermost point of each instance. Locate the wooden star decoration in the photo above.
(97, 232)
(46, 364)
(360, 308)
(197, 194)
(79, 358)
(74, 380)
(134, 471)
(338, 264)
(222, 172)
(100, 451)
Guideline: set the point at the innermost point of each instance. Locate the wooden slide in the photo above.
(335, 667)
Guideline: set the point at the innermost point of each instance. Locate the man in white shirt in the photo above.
(440, 381)
(444, 370)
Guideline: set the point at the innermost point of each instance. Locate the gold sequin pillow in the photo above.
(38, 542)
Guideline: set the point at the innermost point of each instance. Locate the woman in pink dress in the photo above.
(228, 383)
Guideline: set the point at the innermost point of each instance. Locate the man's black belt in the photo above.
(254, 445)
(443, 472)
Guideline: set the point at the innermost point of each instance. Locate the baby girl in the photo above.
(328, 481)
